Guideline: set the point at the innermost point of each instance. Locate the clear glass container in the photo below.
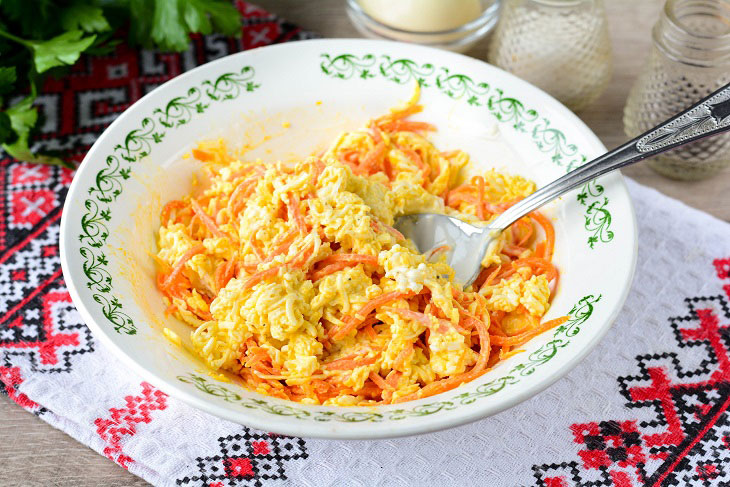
(453, 25)
(561, 46)
(689, 60)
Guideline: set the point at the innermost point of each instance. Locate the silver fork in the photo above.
(468, 243)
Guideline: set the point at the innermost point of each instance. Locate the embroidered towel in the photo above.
(649, 406)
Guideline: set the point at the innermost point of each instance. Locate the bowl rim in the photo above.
(320, 430)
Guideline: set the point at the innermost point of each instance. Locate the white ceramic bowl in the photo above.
(322, 87)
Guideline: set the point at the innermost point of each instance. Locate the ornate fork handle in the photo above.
(707, 117)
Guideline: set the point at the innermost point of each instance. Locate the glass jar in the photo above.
(453, 25)
(689, 60)
(562, 46)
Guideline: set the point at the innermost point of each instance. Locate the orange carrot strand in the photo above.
(549, 233)
(178, 267)
(206, 220)
(351, 322)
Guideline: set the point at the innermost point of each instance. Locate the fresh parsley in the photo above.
(45, 37)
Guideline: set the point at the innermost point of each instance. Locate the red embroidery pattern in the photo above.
(26, 174)
(723, 272)
(688, 442)
(41, 324)
(247, 459)
(30, 207)
(238, 467)
(260, 448)
(123, 421)
(10, 378)
(609, 442)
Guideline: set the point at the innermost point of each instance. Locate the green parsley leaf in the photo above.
(173, 20)
(35, 19)
(7, 134)
(61, 50)
(103, 45)
(168, 30)
(142, 12)
(224, 17)
(88, 18)
(196, 18)
(8, 77)
(23, 117)
(57, 32)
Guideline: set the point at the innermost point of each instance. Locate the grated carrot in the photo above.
(327, 270)
(378, 380)
(406, 126)
(238, 197)
(484, 340)
(397, 114)
(423, 318)
(540, 250)
(527, 224)
(301, 257)
(513, 250)
(168, 209)
(350, 258)
(403, 355)
(318, 169)
(260, 276)
(351, 158)
(378, 224)
(245, 266)
(255, 247)
(202, 155)
(490, 277)
(351, 322)
(523, 337)
(453, 199)
(549, 233)
(370, 331)
(418, 161)
(348, 364)
(373, 160)
(295, 214)
(539, 265)
(442, 385)
(392, 378)
(224, 273)
(178, 267)
(206, 220)
(500, 207)
(283, 245)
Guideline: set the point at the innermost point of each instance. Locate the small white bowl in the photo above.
(458, 39)
(322, 87)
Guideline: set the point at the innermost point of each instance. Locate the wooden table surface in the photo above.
(35, 454)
